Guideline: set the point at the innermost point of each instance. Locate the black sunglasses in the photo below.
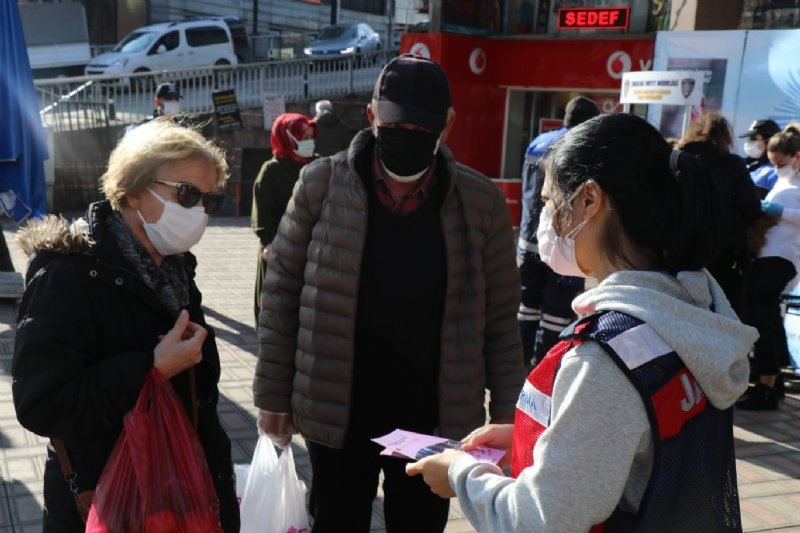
(189, 195)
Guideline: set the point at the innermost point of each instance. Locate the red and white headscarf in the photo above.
(282, 144)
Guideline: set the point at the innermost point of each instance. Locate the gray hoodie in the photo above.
(597, 451)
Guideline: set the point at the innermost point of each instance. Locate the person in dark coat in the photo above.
(333, 135)
(709, 138)
(113, 295)
(546, 304)
(292, 141)
(761, 170)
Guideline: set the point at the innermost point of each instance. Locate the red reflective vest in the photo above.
(692, 486)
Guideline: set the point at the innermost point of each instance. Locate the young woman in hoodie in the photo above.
(626, 424)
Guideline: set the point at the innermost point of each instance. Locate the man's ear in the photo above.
(370, 115)
(451, 118)
(373, 122)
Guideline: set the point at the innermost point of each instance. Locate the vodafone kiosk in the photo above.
(508, 90)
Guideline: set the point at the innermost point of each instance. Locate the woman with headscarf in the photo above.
(292, 141)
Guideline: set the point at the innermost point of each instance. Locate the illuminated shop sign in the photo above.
(595, 18)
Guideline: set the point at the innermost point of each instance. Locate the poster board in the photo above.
(681, 88)
(719, 52)
(226, 110)
(274, 105)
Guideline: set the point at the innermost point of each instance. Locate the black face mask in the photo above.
(406, 152)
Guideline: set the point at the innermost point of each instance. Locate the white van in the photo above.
(169, 45)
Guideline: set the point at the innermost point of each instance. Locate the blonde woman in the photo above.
(113, 295)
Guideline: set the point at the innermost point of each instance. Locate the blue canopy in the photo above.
(23, 147)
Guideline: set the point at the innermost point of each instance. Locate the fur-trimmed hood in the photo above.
(55, 234)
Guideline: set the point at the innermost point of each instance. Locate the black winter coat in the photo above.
(87, 328)
(738, 197)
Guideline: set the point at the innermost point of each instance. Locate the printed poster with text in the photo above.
(717, 52)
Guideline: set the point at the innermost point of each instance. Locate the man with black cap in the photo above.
(167, 101)
(389, 302)
(546, 306)
(755, 148)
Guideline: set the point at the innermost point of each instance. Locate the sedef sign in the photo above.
(595, 18)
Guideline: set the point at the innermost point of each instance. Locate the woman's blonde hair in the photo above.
(133, 163)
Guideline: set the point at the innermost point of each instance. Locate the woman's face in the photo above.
(197, 172)
(587, 205)
(781, 160)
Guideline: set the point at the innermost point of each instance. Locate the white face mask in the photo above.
(171, 107)
(403, 179)
(786, 172)
(558, 252)
(304, 148)
(177, 230)
(752, 149)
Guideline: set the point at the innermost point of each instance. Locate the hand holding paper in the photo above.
(410, 445)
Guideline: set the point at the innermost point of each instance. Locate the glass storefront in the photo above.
(770, 14)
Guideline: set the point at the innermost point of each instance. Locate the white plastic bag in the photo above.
(274, 497)
(240, 472)
(287, 501)
(260, 481)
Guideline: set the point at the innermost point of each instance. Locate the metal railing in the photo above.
(70, 104)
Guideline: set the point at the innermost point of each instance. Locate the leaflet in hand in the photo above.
(410, 445)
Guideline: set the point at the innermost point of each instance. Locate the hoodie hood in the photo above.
(692, 315)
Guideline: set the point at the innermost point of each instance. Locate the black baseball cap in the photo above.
(413, 90)
(766, 127)
(168, 91)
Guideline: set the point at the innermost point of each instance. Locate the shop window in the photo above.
(376, 7)
(770, 14)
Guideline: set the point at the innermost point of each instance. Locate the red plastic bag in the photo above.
(156, 479)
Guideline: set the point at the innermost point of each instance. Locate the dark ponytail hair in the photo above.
(666, 209)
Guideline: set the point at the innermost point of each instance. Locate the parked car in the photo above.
(169, 45)
(344, 39)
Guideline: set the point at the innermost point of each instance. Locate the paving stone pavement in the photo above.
(767, 444)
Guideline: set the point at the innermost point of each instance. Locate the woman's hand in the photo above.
(180, 348)
(498, 436)
(265, 252)
(434, 471)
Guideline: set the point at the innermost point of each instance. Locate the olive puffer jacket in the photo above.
(307, 325)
